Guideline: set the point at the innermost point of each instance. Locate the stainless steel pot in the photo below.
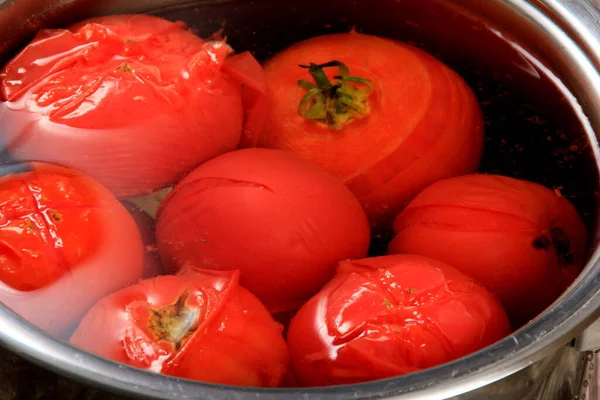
(547, 49)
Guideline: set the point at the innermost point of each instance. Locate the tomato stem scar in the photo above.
(56, 216)
(175, 322)
(562, 245)
(125, 68)
(388, 304)
(334, 104)
(560, 241)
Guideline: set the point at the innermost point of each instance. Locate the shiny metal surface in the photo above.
(535, 359)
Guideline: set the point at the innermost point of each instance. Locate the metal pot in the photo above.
(536, 68)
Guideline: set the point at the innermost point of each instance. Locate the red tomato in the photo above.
(413, 123)
(280, 220)
(250, 74)
(133, 100)
(65, 242)
(203, 326)
(392, 315)
(519, 239)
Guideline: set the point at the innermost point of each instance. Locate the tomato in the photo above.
(250, 74)
(65, 242)
(133, 100)
(391, 315)
(519, 239)
(202, 326)
(393, 121)
(280, 220)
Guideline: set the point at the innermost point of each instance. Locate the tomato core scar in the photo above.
(174, 323)
(558, 239)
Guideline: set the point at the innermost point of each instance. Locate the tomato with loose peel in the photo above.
(65, 242)
(255, 99)
(521, 240)
(279, 219)
(201, 325)
(384, 117)
(135, 101)
(388, 316)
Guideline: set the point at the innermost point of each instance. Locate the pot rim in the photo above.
(531, 343)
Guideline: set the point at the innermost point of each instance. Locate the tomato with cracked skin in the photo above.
(521, 240)
(135, 101)
(65, 242)
(200, 325)
(384, 117)
(388, 316)
(279, 219)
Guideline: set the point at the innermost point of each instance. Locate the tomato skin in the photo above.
(499, 231)
(246, 69)
(280, 220)
(236, 341)
(424, 125)
(392, 315)
(65, 242)
(135, 101)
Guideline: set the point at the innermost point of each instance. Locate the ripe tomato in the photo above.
(202, 326)
(280, 220)
(393, 121)
(392, 315)
(65, 242)
(250, 74)
(517, 238)
(132, 100)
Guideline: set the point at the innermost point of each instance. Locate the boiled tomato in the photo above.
(519, 239)
(279, 219)
(65, 242)
(388, 316)
(385, 118)
(200, 326)
(135, 101)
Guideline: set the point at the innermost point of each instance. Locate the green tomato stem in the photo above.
(334, 104)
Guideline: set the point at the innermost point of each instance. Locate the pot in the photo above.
(535, 66)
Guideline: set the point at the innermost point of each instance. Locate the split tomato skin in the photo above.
(65, 242)
(135, 101)
(213, 330)
(392, 315)
(282, 221)
(424, 122)
(521, 240)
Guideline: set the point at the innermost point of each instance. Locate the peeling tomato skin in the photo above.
(145, 88)
(235, 340)
(282, 221)
(498, 230)
(392, 315)
(61, 234)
